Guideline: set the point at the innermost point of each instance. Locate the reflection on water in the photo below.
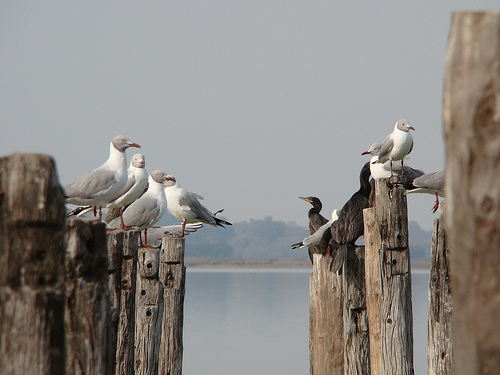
(247, 321)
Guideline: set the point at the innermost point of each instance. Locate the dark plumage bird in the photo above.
(316, 220)
(350, 224)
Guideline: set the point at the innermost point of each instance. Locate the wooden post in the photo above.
(326, 325)
(122, 249)
(32, 297)
(172, 276)
(388, 279)
(88, 313)
(149, 312)
(472, 131)
(440, 350)
(356, 337)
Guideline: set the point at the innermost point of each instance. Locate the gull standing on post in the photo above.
(148, 209)
(430, 183)
(397, 145)
(104, 184)
(186, 207)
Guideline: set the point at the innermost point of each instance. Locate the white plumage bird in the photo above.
(396, 145)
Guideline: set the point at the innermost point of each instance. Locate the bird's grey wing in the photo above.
(91, 184)
(431, 181)
(201, 212)
(386, 147)
(130, 182)
(142, 212)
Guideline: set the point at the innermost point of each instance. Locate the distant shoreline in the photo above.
(268, 263)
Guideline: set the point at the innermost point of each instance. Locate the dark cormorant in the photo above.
(350, 225)
(316, 220)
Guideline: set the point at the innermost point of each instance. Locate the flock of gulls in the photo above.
(336, 236)
(142, 200)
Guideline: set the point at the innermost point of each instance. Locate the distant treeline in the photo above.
(270, 239)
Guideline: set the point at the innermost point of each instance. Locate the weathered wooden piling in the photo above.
(172, 276)
(440, 349)
(32, 296)
(88, 314)
(388, 281)
(472, 133)
(356, 336)
(326, 325)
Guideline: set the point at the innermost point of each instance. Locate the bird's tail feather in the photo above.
(78, 210)
(220, 222)
(339, 259)
(297, 245)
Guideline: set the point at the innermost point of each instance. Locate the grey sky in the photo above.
(249, 103)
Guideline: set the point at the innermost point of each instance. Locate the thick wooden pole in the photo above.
(356, 336)
(472, 131)
(149, 312)
(440, 349)
(390, 266)
(32, 297)
(173, 277)
(88, 314)
(326, 325)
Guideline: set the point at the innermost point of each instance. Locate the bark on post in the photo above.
(88, 314)
(32, 298)
(356, 337)
(149, 312)
(472, 131)
(440, 350)
(172, 276)
(326, 325)
(388, 279)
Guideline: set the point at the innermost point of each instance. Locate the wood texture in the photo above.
(472, 132)
(389, 275)
(88, 313)
(440, 349)
(356, 336)
(172, 276)
(326, 325)
(32, 298)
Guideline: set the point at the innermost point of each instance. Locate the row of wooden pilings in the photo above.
(75, 299)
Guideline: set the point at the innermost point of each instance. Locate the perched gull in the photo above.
(155, 234)
(396, 145)
(379, 171)
(430, 183)
(104, 184)
(350, 225)
(186, 207)
(148, 209)
(136, 185)
(315, 238)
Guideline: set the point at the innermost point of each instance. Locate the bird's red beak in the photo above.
(134, 145)
(366, 152)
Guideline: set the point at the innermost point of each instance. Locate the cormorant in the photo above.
(316, 220)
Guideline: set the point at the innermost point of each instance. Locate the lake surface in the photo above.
(256, 321)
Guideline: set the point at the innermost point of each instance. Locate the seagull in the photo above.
(315, 238)
(186, 206)
(397, 145)
(379, 171)
(137, 183)
(104, 184)
(350, 225)
(148, 209)
(430, 183)
(155, 234)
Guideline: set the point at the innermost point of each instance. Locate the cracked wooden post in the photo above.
(326, 325)
(440, 348)
(149, 312)
(32, 296)
(356, 336)
(88, 314)
(172, 276)
(388, 280)
(472, 133)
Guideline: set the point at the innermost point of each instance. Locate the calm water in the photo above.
(250, 322)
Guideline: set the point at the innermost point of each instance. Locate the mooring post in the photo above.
(172, 277)
(149, 312)
(88, 313)
(32, 296)
(440, 349)
(326, 325)
(388, 280)
(356, 336)
(472, 132)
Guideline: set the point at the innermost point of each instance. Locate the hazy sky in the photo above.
(249, 103)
